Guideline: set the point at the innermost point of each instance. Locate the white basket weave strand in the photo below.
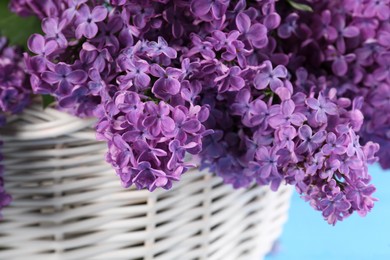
(67, 203)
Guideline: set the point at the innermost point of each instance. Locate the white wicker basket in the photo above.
(68, 203)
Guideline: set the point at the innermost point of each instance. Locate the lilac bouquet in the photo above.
(265, 91)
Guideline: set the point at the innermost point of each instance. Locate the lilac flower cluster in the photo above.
(15, 89)
(15, 92)
(349, 47)
(207, 77)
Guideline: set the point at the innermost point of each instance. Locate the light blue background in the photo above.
(307, 236)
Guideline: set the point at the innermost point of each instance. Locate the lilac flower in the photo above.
(322, 108)
(148, 174)
(142, 13)
(284, 137)
(205, 48)
(287, 116)
(167, 85)
(178, 152)
(161, 47)
(334, 208)
(184, 125)
(65, 77)
(256, 33)
(270, 76)
(96, 84)
(202, 7)
(138, 70)
(343, 32)
(339, 61)
(309, 141)
(86, 20)
(231, 80)
(268, 162)
(52, 27)
(325, 28)
(334, 144)
(38, 45)
(289, 27)
(380, 9)
(158, 120)
(222, 40)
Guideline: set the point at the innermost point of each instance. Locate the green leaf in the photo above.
(47, 100)
(300, 7)
(15, 28)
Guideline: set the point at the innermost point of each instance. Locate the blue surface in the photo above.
(307, 236)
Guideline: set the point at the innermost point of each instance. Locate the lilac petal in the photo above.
(218, 9)
(261, 81)
(277, 121)
(50, 47)
(200, 7)
(330, 108)
(340, 150)
(297, 119)
(351, 31)
(381, 73)
(99, 13)
(191, 126)
(321, 116)
(243, 22)
(237, 83)
(288, 107)
(90, 30)
(284, 31)
(265, 171)
(305, 132)
(64, 87)
(142, 80)
(157, 71)
(319, 137)
(170, 52)
(280, 71)
(68, 101)
(328, 211)
(77, 77)
(159, 152)
(257, 32)
(36, 43)
(172, 86)
(262, 154)
(343, 205)
(49, 26)
(272, 21)
(313, 103)
(276, 83)
(339, 67)
(384, 13)
(51, 77)
(259, 43)
(168, 125)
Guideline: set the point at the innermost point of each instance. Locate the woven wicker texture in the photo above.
(68, 203)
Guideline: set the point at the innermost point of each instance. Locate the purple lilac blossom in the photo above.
(15, 92)
(350, 39)
(215, 81)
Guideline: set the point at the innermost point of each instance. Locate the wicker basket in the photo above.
(68, 204)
